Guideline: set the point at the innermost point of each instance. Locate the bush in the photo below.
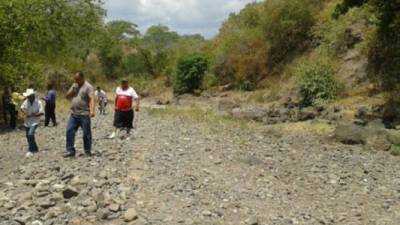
(317, 85)
(190, 73)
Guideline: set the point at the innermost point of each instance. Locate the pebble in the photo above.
(130, 215)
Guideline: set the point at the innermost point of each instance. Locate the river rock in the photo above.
(249, 113)
(130, 215)
(70, 192)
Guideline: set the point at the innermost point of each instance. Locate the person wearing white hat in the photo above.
(33, 109)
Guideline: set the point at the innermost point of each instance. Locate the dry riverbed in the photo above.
(193, 168)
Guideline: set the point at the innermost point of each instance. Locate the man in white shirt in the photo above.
(33, 109)
(101, 97)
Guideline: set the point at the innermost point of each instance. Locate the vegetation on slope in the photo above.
(43, 41)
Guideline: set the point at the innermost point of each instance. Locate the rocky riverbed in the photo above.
(180, 171)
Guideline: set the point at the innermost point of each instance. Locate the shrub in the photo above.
(317, 84)
(190, 73)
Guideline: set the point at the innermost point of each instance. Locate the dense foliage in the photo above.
(317, 84)
(45, 40)
(190, 73)
(36, 32)
(260, 39)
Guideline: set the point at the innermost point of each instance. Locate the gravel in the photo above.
(176, 171)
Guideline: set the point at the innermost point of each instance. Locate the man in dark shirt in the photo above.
(6, 102)
(50, 110)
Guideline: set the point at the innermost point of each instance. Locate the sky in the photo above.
(184, 16)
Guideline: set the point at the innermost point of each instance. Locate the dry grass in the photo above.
(212, 120)
(200, 116)
(63, 105)
(316, 127)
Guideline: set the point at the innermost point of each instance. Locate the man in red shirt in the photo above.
(126, 99)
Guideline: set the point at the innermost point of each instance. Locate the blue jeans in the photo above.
(30, 136)
(74, 122)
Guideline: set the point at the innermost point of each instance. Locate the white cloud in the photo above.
(184, 16)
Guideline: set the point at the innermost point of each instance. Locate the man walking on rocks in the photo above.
(50, 109)
(101, 97)
(126, 99)
(33, 109)
(83, 103)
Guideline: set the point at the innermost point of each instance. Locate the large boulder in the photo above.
(374, 136)
(249, 113)
(351, 134)
(378, 136)
(379, 142)
(368, 114)
(308, 113)
(226, 106)
(391, 114)
(394, 136)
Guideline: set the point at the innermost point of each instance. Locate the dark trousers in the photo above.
(30, 136)
(13, 116)
(5, 115)
(74, 123)
(50, 114)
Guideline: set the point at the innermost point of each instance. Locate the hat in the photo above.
(29, 92)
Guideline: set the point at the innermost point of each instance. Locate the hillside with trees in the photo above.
(349, 46)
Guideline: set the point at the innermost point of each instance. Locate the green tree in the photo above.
(190, 73)
(115, 37)
(156, 48)
(123, 30)
(35, 33)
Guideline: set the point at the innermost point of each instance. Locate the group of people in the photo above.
(12, 99)
(83, 99)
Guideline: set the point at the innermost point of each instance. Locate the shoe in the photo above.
(88, 154)
(29, 154)
(69, 155)
(112, 136)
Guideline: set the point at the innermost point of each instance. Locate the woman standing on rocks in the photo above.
(124, 102)
(33, 109)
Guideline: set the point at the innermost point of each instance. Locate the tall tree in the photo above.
(37, 31)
